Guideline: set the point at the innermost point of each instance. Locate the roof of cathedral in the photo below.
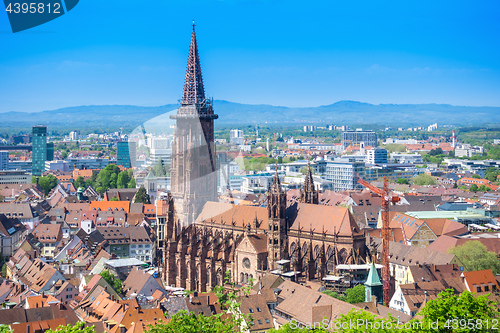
(258, 241)
(323, 218)
(224, 213)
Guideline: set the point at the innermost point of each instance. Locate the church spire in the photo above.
(194, 92)
(276, 186)
(309, 194)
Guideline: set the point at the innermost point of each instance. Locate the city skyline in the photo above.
(277, 53)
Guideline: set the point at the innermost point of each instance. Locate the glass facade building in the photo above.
(123, 154)
(39, 150)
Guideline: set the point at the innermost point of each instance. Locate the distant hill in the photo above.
(343, 112)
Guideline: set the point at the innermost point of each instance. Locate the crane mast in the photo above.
(387, 198)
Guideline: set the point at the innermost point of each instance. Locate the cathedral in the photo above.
(200, 239)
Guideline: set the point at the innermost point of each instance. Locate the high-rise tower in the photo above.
(193, 176)
(39, 149)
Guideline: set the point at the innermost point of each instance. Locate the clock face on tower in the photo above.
(246, 263)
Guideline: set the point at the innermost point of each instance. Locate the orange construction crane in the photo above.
(387, 198)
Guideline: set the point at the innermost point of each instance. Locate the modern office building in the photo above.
(123, 154)
(4, 160)
(369, 138)
(88, 163)
(39, 149)
(376, 156)
(50, 151)
(344, 174)
(14, 177)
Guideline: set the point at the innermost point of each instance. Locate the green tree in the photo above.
(355, 294)
(79, 182)
(402, 181)
(77, 328)
(435, 152)
(131, 184)
(491, 174)
(114, 199)
(334, 295)
(484, 188)
(47, 183)
(189, 322)
(476, 176)
(112, 280)
(365, 322)
(159, 168)
(454, 313)
(475, 257)
(107, 177)
(424, 179)
(5, 329)
(142, 196)
(123, 179)
(473, 188)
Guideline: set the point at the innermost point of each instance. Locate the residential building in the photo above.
(23, 212)
(410, 298)
(236, 137)
(130, 242)
(304, 305)
(12, 234)
(49, 235)
(141, 283)
(480, 281)
(402, 256)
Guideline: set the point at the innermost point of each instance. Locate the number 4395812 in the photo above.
(33, 8)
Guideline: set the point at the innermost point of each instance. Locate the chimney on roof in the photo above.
(260, 285)
(28, 328)
(190, 299)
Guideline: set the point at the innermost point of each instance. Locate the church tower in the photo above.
(309, 194)
(373, 286)
(193, 176)
(276, 206)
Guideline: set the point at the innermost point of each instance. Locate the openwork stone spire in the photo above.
(194, 92)
(276, 186)
(309, 194)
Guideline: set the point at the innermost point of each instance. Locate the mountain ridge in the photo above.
(341, 112)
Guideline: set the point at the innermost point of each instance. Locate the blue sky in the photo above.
(291, 53)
